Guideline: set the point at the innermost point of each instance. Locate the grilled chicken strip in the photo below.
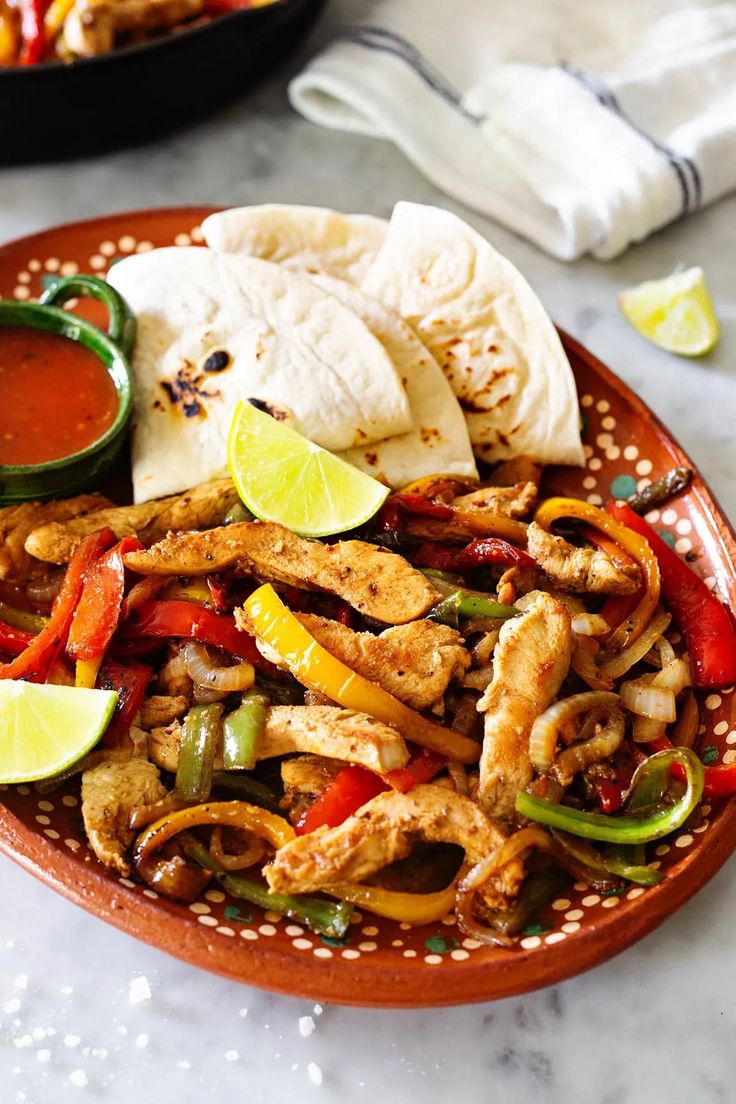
(93, 26)
(384, 830)
(415, 662)
(530, 661)
(373, 580)
(162, 709)
(581, 570)
(16, 522)
(110, 792)
(315, 729)
(199, 508)
(513, 502)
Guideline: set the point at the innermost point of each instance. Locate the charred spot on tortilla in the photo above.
(217, 361)
(185, 393)
(279, 413)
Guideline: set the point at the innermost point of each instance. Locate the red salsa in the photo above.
(56, 397)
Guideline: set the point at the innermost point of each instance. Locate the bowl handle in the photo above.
(121, 326)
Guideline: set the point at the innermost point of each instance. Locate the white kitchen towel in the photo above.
(581, 126)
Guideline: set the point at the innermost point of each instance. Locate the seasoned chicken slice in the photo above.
(512, 502)
(315, 729)
(375, 581)
(414, 662)
(162, 709)
(110, 792)
(530, 661)
(93, 26)
(16, 522)
(381, 832)
(582, 570)
(199, 508)
(514, 582)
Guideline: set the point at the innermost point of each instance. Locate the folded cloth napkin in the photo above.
(581, 126)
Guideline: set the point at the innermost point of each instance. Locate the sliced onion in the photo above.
(666, 652)
(512, 848)
(203, 672)
(42, 591)
(459, 777)
(675, 676)
(465, 717)
(647, 700)
(589, 624)
(479, 679)
(584, 665)
(688, 722)
(251, 852)
(546, 728)
(483, 650)
(644, 730)
(602, 744)
(625, 660)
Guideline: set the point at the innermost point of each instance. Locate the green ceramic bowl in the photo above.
(82, 470)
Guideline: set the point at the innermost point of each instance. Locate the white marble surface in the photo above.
(656, 1024)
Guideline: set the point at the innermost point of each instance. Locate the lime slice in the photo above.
(44, 729)
(675, 313)
(282, 476)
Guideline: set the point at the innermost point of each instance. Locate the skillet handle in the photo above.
(121, 326)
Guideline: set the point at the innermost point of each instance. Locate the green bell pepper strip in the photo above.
(247, 789)
(21, 619)
(242, 730)
(539, 889)
(199, 741)
(621, 861)
(327, 918)
(461, 604)
(650, 822)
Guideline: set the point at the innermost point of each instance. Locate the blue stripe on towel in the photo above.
(690, 200)
(378, 38)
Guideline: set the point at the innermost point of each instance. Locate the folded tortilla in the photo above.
(487, 329)
(214, 329)
(438, 440)
(307, 239)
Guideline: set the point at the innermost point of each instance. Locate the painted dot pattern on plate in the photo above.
(618, 461)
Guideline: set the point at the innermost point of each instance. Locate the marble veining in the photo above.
(655, 1024)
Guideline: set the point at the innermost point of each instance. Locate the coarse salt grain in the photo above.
(43, 1055)
(78, 1077)
(314, 1073)
(99, 1052)
(11, 1005)
(23, 1041)
(38, 1034)
(139, 990)
(21, 982)
(243, 1012)
(183, 1064)
(141, 1041)
(66, 990)
(231, 1055)
(318, 1010)
(72, 1041)
(306, 1026)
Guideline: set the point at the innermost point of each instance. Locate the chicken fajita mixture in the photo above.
(462, 705)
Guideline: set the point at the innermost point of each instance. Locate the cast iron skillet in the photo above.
(57, 111)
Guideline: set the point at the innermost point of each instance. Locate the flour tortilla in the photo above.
(438, 440)
(487, 329)
(306, 239)
(290, 345)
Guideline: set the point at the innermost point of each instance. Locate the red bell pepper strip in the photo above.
(194, 622)
(131, 682)
(98, 611)
(706, 624)
(349, 790)
(13, 641)
(482, 550)
(32, 31)
(34, 662)
(391, 517)
(218, 594)
(422, 767)
(720, 781)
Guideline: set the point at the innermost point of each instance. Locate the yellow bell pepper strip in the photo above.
(86, 672)
(54, 18)
(406, 908)
(322, 917)
(642, 826)
(320, 671)
(636, 546)
(232, 814)
(9, 39)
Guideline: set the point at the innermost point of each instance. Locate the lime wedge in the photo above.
(282, 476)
(46, 728)
(675, 313)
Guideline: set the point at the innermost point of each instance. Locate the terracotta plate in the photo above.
(384, 963)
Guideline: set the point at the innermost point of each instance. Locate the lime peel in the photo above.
(284, 477)
(45, 728)
(675, 313)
